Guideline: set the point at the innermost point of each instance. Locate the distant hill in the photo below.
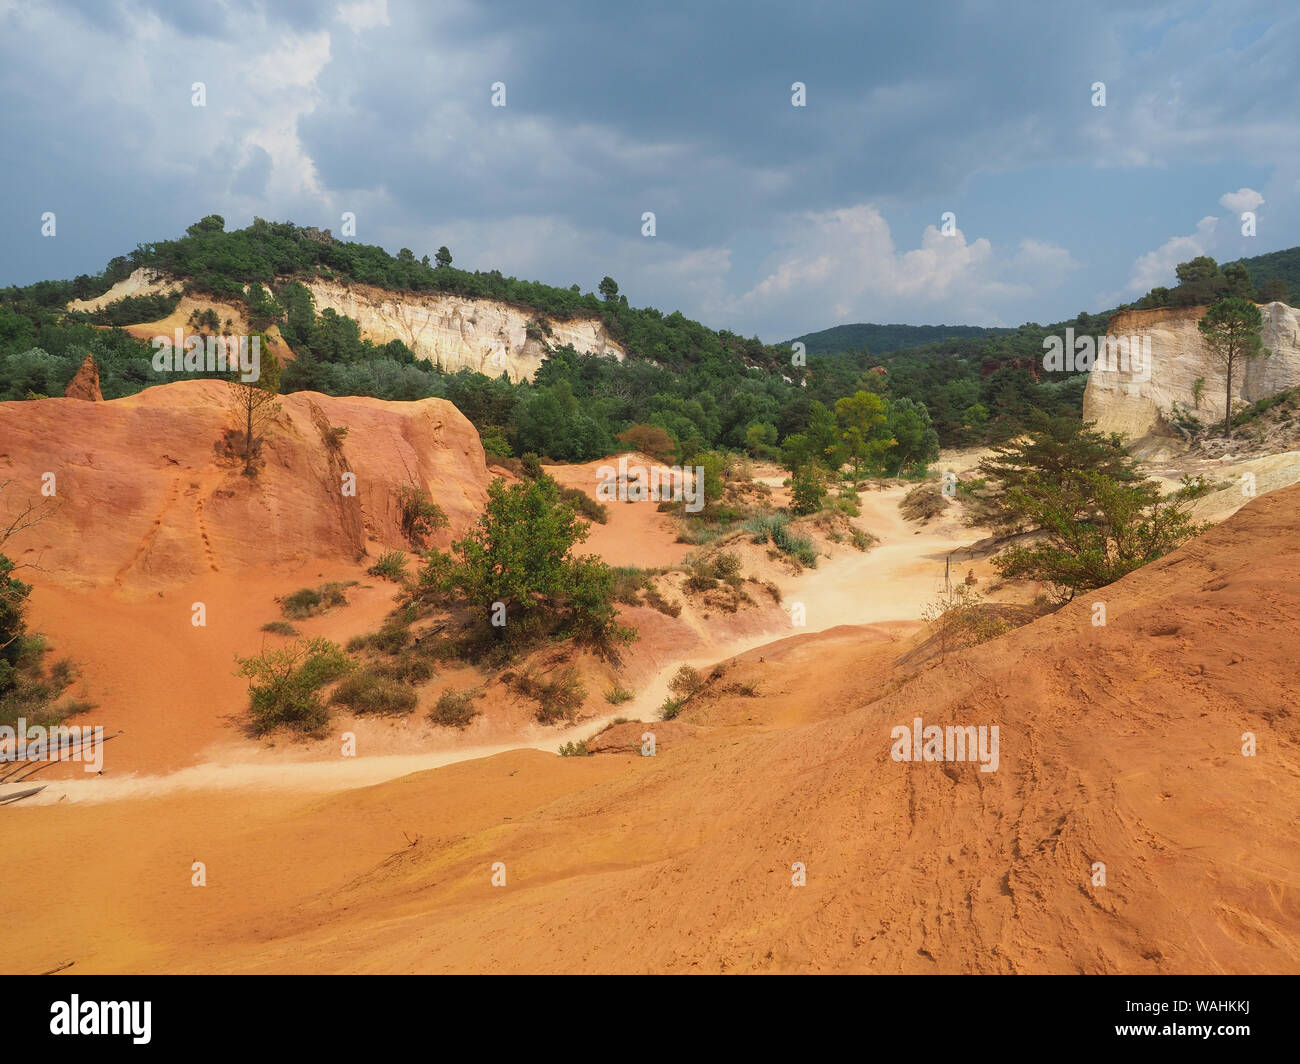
(1281, 266)
(882, 339)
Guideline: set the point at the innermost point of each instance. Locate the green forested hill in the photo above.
(881, 339)
(686, 389)
(1276, 267)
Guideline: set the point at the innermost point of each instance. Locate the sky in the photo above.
(949, 163)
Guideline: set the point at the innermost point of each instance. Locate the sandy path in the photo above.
(891, 582)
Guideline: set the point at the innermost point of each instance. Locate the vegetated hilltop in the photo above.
(1130, 827)
(542, 369)
(882, 339)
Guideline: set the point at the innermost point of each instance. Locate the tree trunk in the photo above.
(1227, 407)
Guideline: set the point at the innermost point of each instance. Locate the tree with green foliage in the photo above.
(807, 490)
(1231, 331)
(1059, 448)
(13, 606)
(608, 289)
(520, 555)
(1096, 517)
(917, 443)
(442, 257)
(863, 420)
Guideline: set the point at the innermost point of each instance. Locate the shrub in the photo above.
(559, 696)
(585, 505)
(409, 666)
(285, 684)
(671, 707)
(370, 691)
(420, 515)
(1194, 487)
(961, 619)
(649, 439)
(280, 628)
(578, 749)
(701, 578)
(807, 490)
(686, 682)
(302, 603)
(308, 601)
(393, 636)
(617, 695)
(629, 582)
(390, 566)
(761, 527)
(657, 601)
(455, 709)
(798, 547)
(726, 566)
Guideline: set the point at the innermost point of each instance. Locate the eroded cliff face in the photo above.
(461, 333)
(148, 497)
(1136, 400)
(458, 332)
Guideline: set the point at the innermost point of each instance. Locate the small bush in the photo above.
(392, 637)
(686, 682)
(285, 684)
(798, 547)
(578, 749)
(559, 696)
(629, 582)
(455, 709)
(1194, 487)
(701, 578)
(390, 566)
(726, 566)
(420, 515)
(617, 695)
(807, 491)
(309, 601)
(410, 666)
(671, 707)
(370, 691)
(279, 628)
(585, 505)
(762, 527)
(301, 604)
(960, 619)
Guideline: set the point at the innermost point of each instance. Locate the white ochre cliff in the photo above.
(1134, 400)
(459, 332)
(456, 331)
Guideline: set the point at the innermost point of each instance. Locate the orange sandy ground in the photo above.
(1119, 744)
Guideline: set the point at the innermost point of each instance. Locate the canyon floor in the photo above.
(1123, 831)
